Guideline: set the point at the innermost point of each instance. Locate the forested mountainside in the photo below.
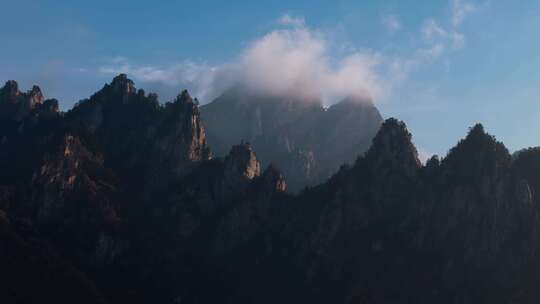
(120, 200)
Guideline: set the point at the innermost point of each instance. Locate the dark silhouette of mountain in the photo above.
(119, 200)
(308, 142)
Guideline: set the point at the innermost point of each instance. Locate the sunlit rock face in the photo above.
(16, 105)
(241, 163)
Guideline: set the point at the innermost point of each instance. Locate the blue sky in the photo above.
(440, 66)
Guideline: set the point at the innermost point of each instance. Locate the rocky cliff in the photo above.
(119, 200)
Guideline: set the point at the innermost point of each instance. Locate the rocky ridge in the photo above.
(120, 200)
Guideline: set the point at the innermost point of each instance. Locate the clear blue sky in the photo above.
(462, 61)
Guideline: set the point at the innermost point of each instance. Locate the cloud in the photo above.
(202, 80)
(432, 52)
(439, 38)
(436, 38)
(391, 23)
(288, 20)
(307, 64)
(296, 61)
(432, 30)
(458, 40)
(460, 10)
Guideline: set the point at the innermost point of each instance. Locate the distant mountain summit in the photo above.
(307, 141)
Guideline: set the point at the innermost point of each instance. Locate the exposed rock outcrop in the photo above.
(10, 92)
(123, 87)
(17, 105)
(241, 164)
(69, 177)
(182, 139)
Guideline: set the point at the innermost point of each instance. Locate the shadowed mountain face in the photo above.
(308, 142)
(119, 200)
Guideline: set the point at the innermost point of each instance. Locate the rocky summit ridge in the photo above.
(121, 200)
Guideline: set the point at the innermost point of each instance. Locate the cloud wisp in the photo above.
(440, 39)
(288, 20)
(391, 23)
(295, 61)
(460, 10)
(202, 80)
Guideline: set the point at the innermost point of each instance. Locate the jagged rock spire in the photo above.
(123, 86)
(241, 163)
(35, 96)
(273, 179)
(10, 91)
(18, 105)
(392, 148)
(184, 97)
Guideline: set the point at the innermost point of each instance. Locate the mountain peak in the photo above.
(35, 90)
(10, 89)
(305, 140)
(478, 154)
(184, 98)
(392, 146)
(242, 162)
(123, 85)
(478, 140)
(35, 96)
(17, 105)
(477, 131)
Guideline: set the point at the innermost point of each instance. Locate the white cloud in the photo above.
(202, 80)
(460, 10)
(295, 21)
(432, 52)
(296, 61)
(458, 40)
(432, 30)
(391, 22)
(117, 59)
(436, 37)
(439, 38)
